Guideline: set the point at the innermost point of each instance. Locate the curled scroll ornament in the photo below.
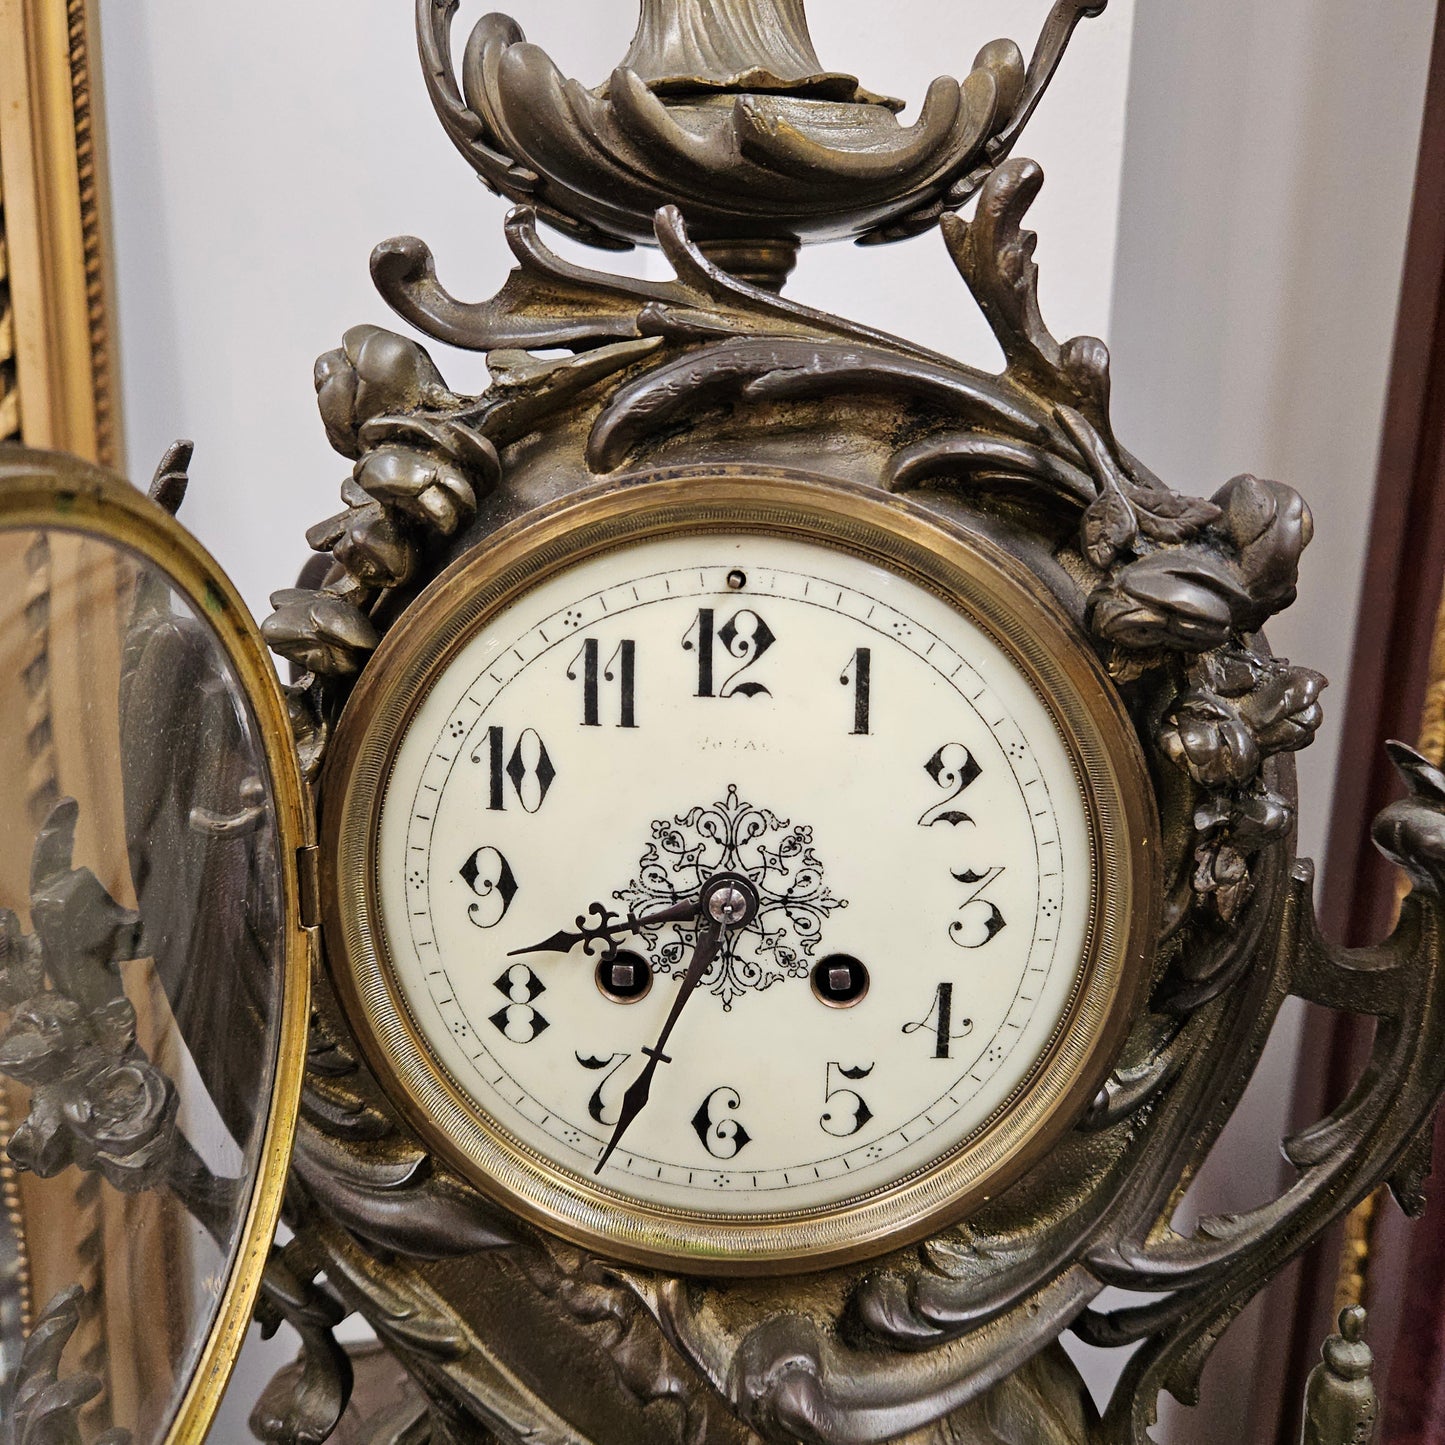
(1173, 591)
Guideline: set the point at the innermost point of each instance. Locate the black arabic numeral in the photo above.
(518, 1021)
(589, 658)
(698, 638)
(604, 1110)
(859, 676)
(980, 921)
(847, 1112)
(940, 1022)
(747, 637)
(722, 1136)
(952, 768)
(621, 669)
(529, 769)
(488, 874)
(744, 637)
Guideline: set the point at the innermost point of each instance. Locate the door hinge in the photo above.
(308, 874)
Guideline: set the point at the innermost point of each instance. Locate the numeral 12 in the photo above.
(745, 637)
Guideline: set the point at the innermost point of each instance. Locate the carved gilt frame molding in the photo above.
(59, 388)
(58, 366)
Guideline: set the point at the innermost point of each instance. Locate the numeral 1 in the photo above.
(621, 669)
(859, 676)
(939, 1021)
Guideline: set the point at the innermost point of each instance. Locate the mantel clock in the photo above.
(790, 836)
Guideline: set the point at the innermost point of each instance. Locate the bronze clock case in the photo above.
(972, 574)
(724, 140)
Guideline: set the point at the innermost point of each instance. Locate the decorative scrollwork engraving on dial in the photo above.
(776, 856)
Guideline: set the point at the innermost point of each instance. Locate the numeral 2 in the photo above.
(745, 637)
(529, 769)
(939, 1021)
(621, 669)
(952, 767)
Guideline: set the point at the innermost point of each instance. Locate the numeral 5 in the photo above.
(847, 1112)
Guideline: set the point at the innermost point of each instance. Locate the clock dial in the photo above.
(732, 875)
(890, 786)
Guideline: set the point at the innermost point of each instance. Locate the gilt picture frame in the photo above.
(59, 384)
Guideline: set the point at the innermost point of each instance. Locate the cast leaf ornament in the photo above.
(701, 143)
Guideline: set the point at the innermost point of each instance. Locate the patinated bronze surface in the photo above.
(723, 139)
(701, 142)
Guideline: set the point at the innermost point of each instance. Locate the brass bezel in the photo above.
(965, 569)
(41, 490)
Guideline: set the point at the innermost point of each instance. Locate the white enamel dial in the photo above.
(897, 796)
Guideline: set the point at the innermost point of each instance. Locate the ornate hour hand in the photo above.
(727, 902)
(608, 931)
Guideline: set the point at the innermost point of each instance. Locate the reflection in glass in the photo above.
(140, 973)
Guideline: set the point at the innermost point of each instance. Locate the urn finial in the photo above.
(1341, 1407)
(722, 108)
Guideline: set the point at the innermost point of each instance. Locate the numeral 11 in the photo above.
(621, 669)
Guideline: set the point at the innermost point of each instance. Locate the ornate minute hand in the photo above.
(726, 903)
(564, 941)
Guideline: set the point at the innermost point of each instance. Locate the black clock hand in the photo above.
(564, 941)
(640, 1089)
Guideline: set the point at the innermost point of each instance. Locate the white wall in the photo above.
(258, 155)
(1226, 239)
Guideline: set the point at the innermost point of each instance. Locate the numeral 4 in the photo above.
(940, 1022)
